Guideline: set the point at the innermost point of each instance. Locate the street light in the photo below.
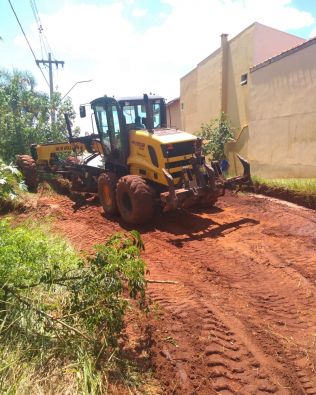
(78, 82)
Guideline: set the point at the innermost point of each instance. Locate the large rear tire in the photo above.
(135, 200)
(27, 166)
(107, 192)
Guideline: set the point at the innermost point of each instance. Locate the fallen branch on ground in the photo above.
(161, 282)
(50, 317)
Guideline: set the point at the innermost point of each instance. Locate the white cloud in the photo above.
(312, 33)
(139, 12)
(99, 42)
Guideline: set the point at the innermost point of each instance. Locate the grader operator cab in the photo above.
(134, 161)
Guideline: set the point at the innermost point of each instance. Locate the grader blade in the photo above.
(245, 179)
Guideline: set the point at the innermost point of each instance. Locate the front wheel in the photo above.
(27, 166)
(135, 200)
(107, 191)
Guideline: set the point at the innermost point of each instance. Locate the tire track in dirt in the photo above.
(227, 364)
(230, 364)
(242, 318)
(275, 295)
(287, 302)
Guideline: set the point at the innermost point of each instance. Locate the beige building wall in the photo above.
(201, 90)
(282, 127)
(208, 90)
(188, 100)
(240, 56)
(271, 128)
(253, 45)
(174, 114)
(200, 99)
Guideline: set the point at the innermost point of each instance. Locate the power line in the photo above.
(39, 26)
(28, 43)
(43, 39)
(45, 45)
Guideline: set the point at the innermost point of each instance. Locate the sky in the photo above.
(131, 47)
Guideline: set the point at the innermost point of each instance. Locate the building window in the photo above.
(243, 79)
(182, 105)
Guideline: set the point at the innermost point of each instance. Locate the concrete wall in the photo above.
(200, 93)
(174, 114)
(253, 45)
(282, 127)
(201, 90)
(188, 100)
(274, 114)
(240, 55)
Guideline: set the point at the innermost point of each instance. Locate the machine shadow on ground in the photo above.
(220, 230)
(189, 225)
(178, 222)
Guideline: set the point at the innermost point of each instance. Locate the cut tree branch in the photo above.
(161, 282)
(50, 317)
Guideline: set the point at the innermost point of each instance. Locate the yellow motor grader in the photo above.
(133, 161)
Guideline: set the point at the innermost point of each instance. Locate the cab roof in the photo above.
(103, 99)
(137, 98)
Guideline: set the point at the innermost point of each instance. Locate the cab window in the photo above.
(116, 128)
(136, 113)
(156, 115)
(103, 125)
(129, 113)
(141, 111)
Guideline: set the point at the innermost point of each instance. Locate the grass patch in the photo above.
(61, 315)
(303, 185)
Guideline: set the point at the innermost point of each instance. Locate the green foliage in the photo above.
(11, 184)
(214, 135)
(62, 313)
(25, 115)
(96, 297)
(29, 255)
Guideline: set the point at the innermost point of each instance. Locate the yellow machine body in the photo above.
(46, 152)
(132, 140)
(146, 155)
(142, 145)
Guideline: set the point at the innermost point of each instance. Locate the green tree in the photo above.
(215, 135)
(25, 114)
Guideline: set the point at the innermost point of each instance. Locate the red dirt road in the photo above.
(242, 317)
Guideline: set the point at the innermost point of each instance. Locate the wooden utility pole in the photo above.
(50, 63)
